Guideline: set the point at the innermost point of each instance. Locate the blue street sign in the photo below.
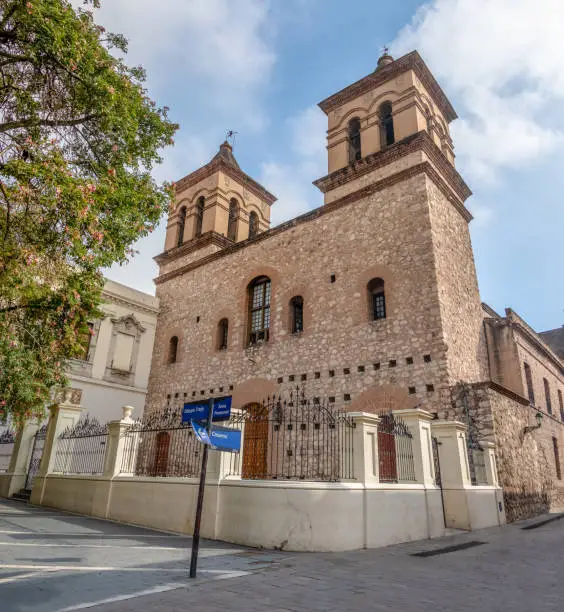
(200, 411)
(225, 439)
(218, 438)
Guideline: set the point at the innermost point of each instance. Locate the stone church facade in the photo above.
(370, 301)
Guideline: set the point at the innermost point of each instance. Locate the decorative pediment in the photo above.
(128, 323)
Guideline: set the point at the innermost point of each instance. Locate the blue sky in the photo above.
(260, 67)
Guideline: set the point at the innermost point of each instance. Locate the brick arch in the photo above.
(307, 295)
(357, 111)
(385, 273)
(178, 205)
(383, 398)
(252, 391)
(243, 297)
(216, 317)
(390, 95)
(169, 333)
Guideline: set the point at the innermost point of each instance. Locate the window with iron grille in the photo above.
(222, 334)
(259, 309)
(557, 458)
(199, 217)
(233, 216)
(547, 396)
(354, 140)
(297, 312)
(377, 299)
(529, 380)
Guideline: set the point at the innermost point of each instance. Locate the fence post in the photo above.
(491, 466)
(63, 414)
(14, 479)
(418, 421)
(116, 443)
(365, 445)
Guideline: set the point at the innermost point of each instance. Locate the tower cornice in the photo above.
(421, 141)
(411, 61)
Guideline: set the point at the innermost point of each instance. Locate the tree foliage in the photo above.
(78, 140)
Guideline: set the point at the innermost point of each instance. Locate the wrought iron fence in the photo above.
(395, 450)
(81, 449)
(36, 454)
(161, 445)
(294, 439)
(7, 440)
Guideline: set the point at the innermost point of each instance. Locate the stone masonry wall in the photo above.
(340, 353)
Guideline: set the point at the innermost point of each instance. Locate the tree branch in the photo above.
(26, 123)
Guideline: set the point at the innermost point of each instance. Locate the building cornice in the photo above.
(422, 168)
(192, 245)
(508, 393)
(421, 141)
(411, 61)
(120, 300)
(218, 164)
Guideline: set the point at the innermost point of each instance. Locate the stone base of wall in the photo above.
(526, 463)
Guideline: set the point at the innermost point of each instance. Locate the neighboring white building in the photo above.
(117, 360)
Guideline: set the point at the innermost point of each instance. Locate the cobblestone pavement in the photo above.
(514, 568)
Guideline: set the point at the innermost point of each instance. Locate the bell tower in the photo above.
(371, 121)
(218, 203)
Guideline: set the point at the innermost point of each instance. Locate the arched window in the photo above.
(199, 217)
(547, 397)
(232, 223)
(386, 125)
(259, 309)
(253, 224)
(354, 140)
(172, 349)
(297, 314)
(377, 299)
(181, 225)
(161, 453)
(222, 334)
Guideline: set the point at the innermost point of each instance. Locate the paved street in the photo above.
(53, 562)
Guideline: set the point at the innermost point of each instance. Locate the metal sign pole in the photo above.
(196, 536)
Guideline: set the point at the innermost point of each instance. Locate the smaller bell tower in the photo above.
(218, 200)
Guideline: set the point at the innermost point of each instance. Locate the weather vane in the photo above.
(385, 50)
(231, 135)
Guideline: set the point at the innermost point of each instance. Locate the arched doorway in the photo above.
(255, 442)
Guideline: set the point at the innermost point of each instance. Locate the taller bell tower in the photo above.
(367, 120)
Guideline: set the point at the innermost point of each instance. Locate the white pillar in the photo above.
(62, 415)
(418, 422)
(453, 455)
(365, 445)
(15, 477)
(116, 445)
(491, 466)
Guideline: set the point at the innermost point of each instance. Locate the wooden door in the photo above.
(387, 456)
(255, 443)
(161, 453)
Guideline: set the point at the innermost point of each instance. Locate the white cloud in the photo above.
(291, 182)
(502, 61)
(217, 50)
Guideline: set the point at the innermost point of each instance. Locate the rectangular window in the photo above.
(122, 352)
(547, 396)
(379, 306)
(561, 405)
(529, 380)
(85, 341)
(260, 312)
(557, 458)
